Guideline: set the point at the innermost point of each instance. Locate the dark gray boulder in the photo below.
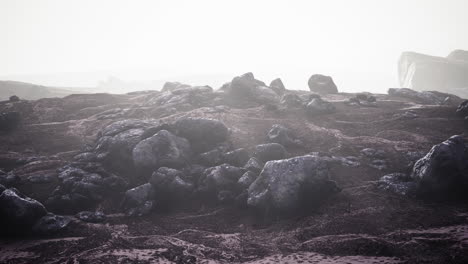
(278, 86)
(254, 165)
(171, 184)
(223, 177)
(247, 179)
(139, 201)
(322, 84)
(318, 106)
(50, 223)
(164, 149)
(282, 135)
(237, 157)
(269, 151)
(18, 213)
(292, 183)
(462, 109)
(203, 133)
(247, 88)
(443, 172)
(14, 98)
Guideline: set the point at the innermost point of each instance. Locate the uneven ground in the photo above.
(362, 224)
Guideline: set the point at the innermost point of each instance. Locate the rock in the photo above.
(171, 86)
(270, 151)
(462, 109)
(211, 158)
(18, 213)
(291, 183)
(265, 95)
(254, 165)
(9, 120)
(317, 106)
(247, 88)
(237, 157)
(50, 223)
(398, 183)
(203, 133)
(226, 197)
(91, 217)
(278, 86)
(363, 99)
(425, 97)
(247, 179)
(322, 84)
(223, 177)
(291, 100)
(425, 73)
(378, 164)
(139, 201)
(161, 150)
(14, 98)
(170, 184)
(282, 135)
(443, 172)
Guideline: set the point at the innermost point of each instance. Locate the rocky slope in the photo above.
(246, 173)
(30, 91)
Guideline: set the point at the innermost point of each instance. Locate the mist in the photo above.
(82, 43)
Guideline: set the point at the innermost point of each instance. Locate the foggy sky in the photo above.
(358, 42)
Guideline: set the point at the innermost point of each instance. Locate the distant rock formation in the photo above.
(425, 73)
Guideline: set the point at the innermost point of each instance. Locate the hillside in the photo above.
(30, 91)
(248, 173)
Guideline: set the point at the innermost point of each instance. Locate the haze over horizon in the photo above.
(357, 42)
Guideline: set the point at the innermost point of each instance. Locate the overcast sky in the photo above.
(357, 42)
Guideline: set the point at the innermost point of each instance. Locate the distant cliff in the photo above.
(425, 73)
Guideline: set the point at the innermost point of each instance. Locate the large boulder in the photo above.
(219, 178)
(203, 133)
(247, 88)
(291, 183)
(139, 201)
(164, 149)
(18, 213)
(269, 151)
(278, 86)
(443, 172)
(322, 84)
(424, 73)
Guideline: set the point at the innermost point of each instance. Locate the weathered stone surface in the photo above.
(269, 151)
(287, 184)
(203, 133)
(322, 84)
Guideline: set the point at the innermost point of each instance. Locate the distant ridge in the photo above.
(31, 91)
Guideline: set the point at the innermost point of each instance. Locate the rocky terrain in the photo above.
(32, 91)
(248, 172)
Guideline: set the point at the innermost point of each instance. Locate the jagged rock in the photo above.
(425, 97)
(291, 100)
(270, 151)
(443, 172)
(9, 120)
(319, 107)
(254, 165)
(291, 183)
(116, 143)
(223, 177)
(18, 213)
(247, 179)
(170, 183)
(322, 84)
(278, 86)
(91, 217)
(237, 157)
(425, 73)
(14, 98)
(203, 133)
(139, 201)
(50, 223)
(246, 87)
(282, 135)
(462, 109)
(161, 150)
(398, 183)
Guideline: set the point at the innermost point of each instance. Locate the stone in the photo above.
(318, 106)
(14, 98)
(247, 179)
(291, 100)
(399, 183)
(91, 217)
(282, 135)
(170, 184)
(269, 151)
(203, 133)
(292, 183)
(237, 157)
(443, 172)
(139, 201)
(164, 149)
(50, 224)
(223, 177)
(322, 84)
(278, 86)
(254, 165)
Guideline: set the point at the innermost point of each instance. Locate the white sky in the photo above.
(358, 42)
